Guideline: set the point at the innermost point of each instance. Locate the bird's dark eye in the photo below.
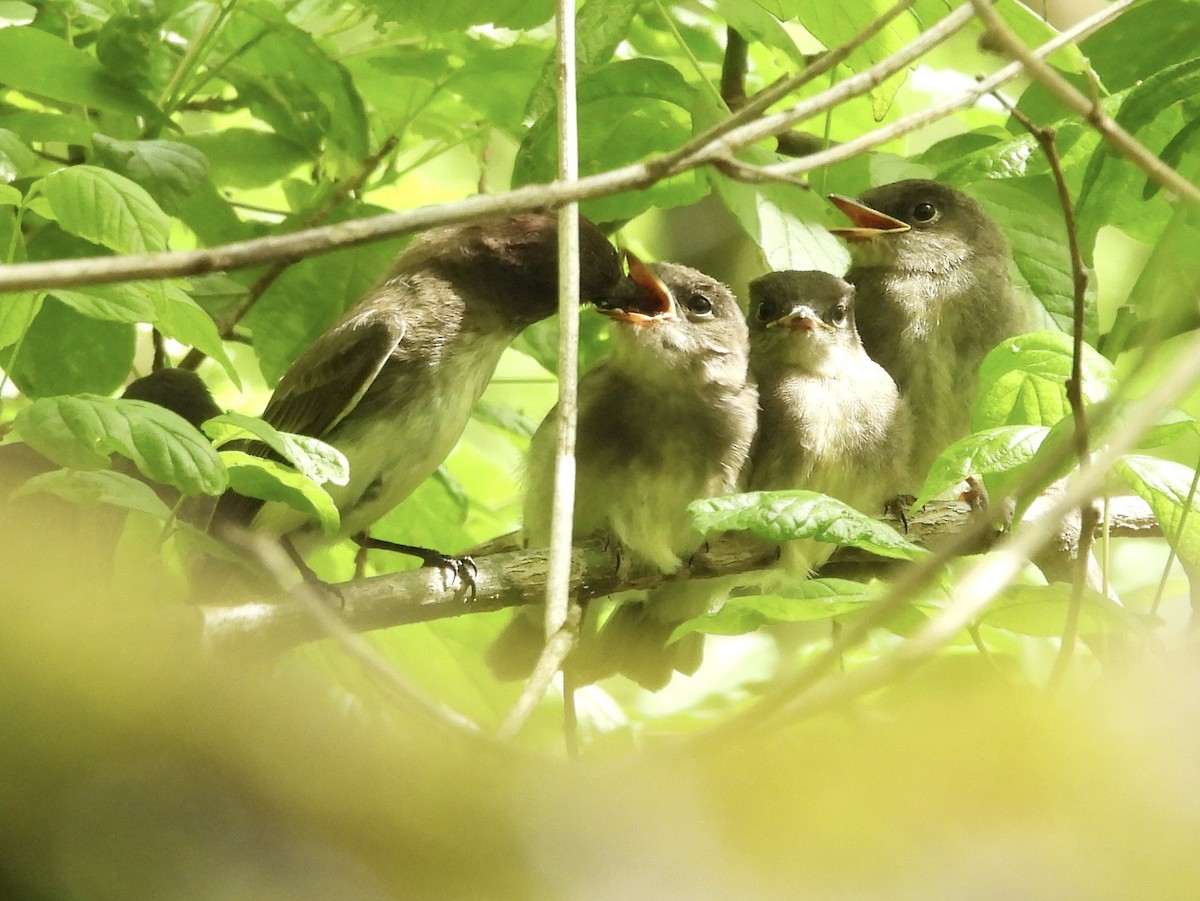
(699, 304)
(923, 212)
(764, 315)
(839, 314)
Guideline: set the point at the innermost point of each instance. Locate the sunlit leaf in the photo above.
(84, 431)
(270, 480)
(784, 515)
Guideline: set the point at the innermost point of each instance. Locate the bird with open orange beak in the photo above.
(665, 419)
(933, 297)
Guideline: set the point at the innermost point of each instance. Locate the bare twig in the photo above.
(1088, 516)
(561, 609)
(930, 114)
(1121, 140)
(194, 357)
(733, 69)
(554, 653)
(715, 144)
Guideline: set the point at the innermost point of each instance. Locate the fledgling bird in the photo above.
(831, 418)
(393, 383)
(667, 418)
(933, 297)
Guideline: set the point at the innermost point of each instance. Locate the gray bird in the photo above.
(667, 418)
(393, 383)
(934, 296)
(831, 418)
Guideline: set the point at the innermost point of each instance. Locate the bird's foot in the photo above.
(975, 495)
(897, 506)
(329, 592)
(462, 569)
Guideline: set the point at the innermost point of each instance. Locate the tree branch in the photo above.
(1121, 140)
(517, 578)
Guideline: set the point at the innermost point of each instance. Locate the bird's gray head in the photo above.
(800, 317)
(512, 261)
(920, 226)
(671, 317)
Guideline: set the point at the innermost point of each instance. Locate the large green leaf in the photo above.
(289, 81)
(1041, 610)
(44, 65)
(784, 515)
(981, 453)
(1166, 487)
(1028, 212)
(1023, 381)
(83, 432)
(106, 208)
(65, 352)
(114, 489)
(812, 599)
(314, 459)
(269, 480)
(784, 222)
(168, 170)
(628, 110)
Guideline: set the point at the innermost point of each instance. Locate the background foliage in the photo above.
(169, 125)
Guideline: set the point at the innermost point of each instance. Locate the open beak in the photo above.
(800, 319)
(654, 301)
(868, 223)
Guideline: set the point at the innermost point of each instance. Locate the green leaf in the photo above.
(433, 16)
(1041, 610)
(628, 110)
(270, 480)
(834, 24)
(16, 159)
(811, 599)
(43, 65)
(1033, 30)
(83, 432)
(17, 313)
(288, 80)
(177, 316)
(113, 489)
(1028, 212)
(315, 459)
(784, 515)
(243, 158)
(168, 170)
(1166, 486)
(1144, 38)
(14, 12)
(106, 208)
(600, 25)
(786, 223)
(129, 302)
(981, 453)
(65, 352)
(1023, 381)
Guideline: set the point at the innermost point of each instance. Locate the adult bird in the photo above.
(934, 296)
(392, 384)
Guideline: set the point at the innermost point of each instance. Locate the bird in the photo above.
(934, 296)
(392, 384)
(181, 391)
(831, 419)
(665, 419)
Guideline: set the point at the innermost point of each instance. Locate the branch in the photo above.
(716, 144)
(1121, 140)
(931, 114)
(517, 578)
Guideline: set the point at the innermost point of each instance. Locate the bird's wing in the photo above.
(329, 379)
